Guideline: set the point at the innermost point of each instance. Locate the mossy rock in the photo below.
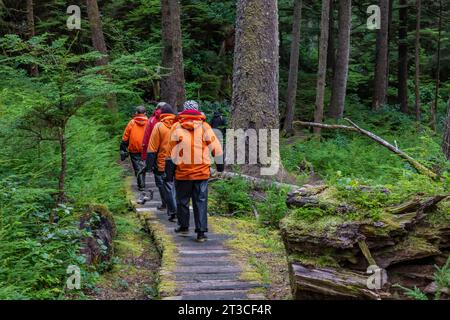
(98, 248)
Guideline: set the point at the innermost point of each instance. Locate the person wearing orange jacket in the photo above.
(158, 153)
(192, 141)
(154, 119)
(132, 144)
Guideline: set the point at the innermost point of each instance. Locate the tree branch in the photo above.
(417, 165)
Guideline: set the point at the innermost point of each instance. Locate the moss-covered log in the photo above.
(318, 235)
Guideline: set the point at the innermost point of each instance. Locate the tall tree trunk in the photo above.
(99, 44)
(98, 39)
(178, 70)
(381, 67)
(293, 67)
(167, 93)
(331, 55)
(403, 57)
(255, 70)
(446, 140)
(322, 69)
(434, 105)
(417, 60)
(341, 70)
(63, 165)
(390, 38)
(34, 71)
(172, 82)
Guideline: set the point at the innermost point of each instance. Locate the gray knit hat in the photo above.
(190, 105)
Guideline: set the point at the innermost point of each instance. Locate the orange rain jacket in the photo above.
(192, 141)
(159, 140)
(134, 133)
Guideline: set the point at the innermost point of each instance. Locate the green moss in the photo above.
(316, 261)
(258, 251)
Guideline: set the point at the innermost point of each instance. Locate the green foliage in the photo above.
(231, 197)
(273, 208)
(441, 280)
(350, 155)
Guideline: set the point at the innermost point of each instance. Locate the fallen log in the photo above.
(417, 165)
(256, 181)
(330, 283)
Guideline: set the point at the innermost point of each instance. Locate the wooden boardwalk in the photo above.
(203, 271)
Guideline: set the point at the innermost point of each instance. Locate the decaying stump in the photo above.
(329, 255)
(98, 248)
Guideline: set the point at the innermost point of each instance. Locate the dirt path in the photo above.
(191, 270)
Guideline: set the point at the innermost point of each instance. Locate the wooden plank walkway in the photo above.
(203, 271)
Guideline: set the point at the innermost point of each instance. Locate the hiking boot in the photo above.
(182, 231)
(161, 207)
(173, 217)
(201, 237)
(146, 197)
(142, 199)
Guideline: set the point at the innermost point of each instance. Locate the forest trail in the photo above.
(202, 271)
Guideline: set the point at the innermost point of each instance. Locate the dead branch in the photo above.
(417, 165)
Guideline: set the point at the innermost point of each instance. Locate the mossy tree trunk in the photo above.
(255, 76)
(322, 70)
(381, 66)
(341, 70)
(293, 67)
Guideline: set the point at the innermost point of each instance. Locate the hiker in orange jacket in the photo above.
(132, 144)
(192, 141)
(154, 119)
(159, 151)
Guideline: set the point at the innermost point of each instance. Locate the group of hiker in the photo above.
(177, 149)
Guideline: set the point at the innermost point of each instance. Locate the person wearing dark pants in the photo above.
(139, 170)
(197, 190)
(192, 141)
(132, 145)
(159, 152)
(159, 182)
(151, 123)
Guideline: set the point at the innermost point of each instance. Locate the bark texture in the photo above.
(95, 23)
(381, 79)
(403, 57)
(255, 76)
(341, 70)
(173, 81)
(322, 70)
(293, 67)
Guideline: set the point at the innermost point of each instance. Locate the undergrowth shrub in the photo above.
(274, 207)
(230, 197)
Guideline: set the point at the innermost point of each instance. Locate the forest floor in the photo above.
(135, 271)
